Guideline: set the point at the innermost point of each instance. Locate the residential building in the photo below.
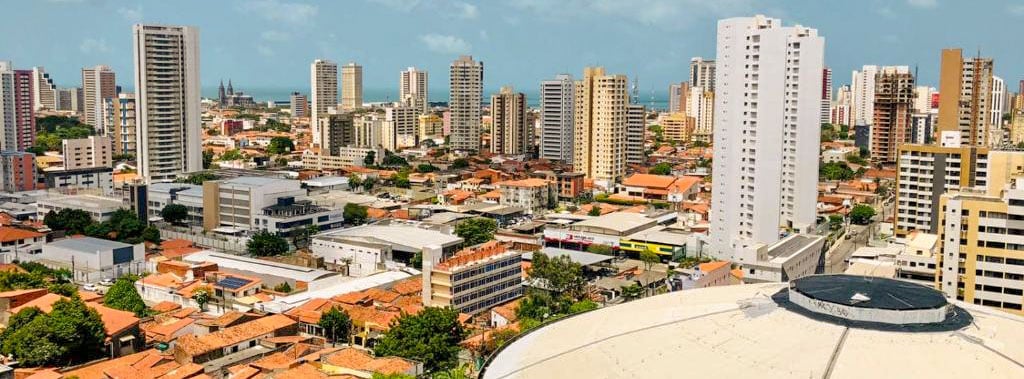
(636, 127)
(862, 96)
(997, 134)
(70, 99)
(1017, 127)
(74, 180)
(44, 92)
(599, 137)
(569, 184)
(661, 187)
(17, 171)
(98, 85)
(841, 109)
(351, 87)
(510, 133)
(346, 157)
(399, 127)
(167, 113)
(474, 279)
(922, 128)
(556, 119)
(323, 83)
(678, 97)
(17, 114)
(15, 242)
(89, 152)
(92, 259)
(121, 328)
(431, 126)
(534, 195)
(702, 110)
(918, 261)
(412, 89)
(234, 204)
(466, 93)
(969, 112)
(233, 340)
(299, 105)
(124, 135)
(100, 208)
(793, 257)
(766, 152)
(702, 74)
(893, 108)
(402, 240)
(369, 130)
(677, 127)
(826, 95)
(336, 130)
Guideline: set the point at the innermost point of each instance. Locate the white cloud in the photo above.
(922, 3)
(279, 11)
(484, 35)
(275, 35)
(466, 10)
(445, 44)
(131, 14)
(1017, 9)
(93, 45)
(666, 14)
(264, 50)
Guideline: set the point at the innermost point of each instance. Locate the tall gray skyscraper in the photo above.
(556, 118)
(466, 93)
(635, 119)
(167, 114)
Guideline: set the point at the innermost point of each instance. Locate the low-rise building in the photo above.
(270, 273)
(569, 184)
(364, 249)
(92, 259)
(347, 156)
(92, 151)
(87, 178)
(793, 257)
(661, 187)
(533, 195)
(474, 279)
(919, 258)
(124, 336)
(15, 242)
(289, 216)
(233, 340)
(99, 207)
(17, 171)
(162, 194)
(837, 155)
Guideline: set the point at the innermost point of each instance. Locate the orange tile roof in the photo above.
(303, 371)
(684, 183)
(165, 306)
(359, 360)
(381, 296)
(175, 243)
(376, 213)
(712, 266)
(473, 254)
(532, 182)
(491, 195)
(649, 181)
(163, 330)
(98, 370)
(409, 286)
(508, 310)
(193, 345)
(114, 321)
(11, 234)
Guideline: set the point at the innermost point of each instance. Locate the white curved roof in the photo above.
(738, 331)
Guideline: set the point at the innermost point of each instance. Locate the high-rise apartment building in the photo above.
(678, 97)
(826, 95)
(702, 109)
(351, 86)
(98, 85)
(399, 129)
(893, 107)
(510, 133)
(69, 99)
(17, 113)
(323, 83)
(338, 130)
(997, 134)
(599, 137)
(466, 93)
(636, 117)
(167, 101)
(702, 74)
(412, 89)
(556, 118)
(841, 107)
(966, 102)
(125, 130)
(677, 127)
(299, 105)
(44, 91)
(430, 126)
(369, 130)
(862, 96)
(17, 170)
(89, 152)
(767, 133)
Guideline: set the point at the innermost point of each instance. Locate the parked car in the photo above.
(91, 287)
(107, 282)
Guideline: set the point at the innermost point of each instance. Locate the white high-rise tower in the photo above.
(767, 129)
(412, 89)
(323, 91)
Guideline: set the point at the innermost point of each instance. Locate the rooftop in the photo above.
(411, 237)
(869, 292)
(620, 222)
(196, 345)
(582, 257)
(88, 244)
(258, 266)
(741, 331)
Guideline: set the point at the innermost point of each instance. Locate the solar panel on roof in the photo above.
(233, 283)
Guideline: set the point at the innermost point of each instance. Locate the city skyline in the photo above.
(269, 43)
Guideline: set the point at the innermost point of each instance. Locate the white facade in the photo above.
(467, 88)
(702, 108)
(100, 208)
(399, 129)
(556, 119)
(702, 74)
(412, 89)
(362, 258)
(44, 92)
(167, 114)
(323, 83)
(92, 259)
(862, 102)
(996, 119)
(766, 132)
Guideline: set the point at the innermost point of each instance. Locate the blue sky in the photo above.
(269, 43)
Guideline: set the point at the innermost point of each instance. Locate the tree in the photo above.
(835, 222)
(560, 274)
(861, 214)
(280, 145)
(151, 234)
(202, 296)
(378, 375)
(602, 249)
(836, 171)
(582, 306)
(370, 159)
(459, 163)
(595, 210)
(417, 260)
(265, 244)
(63, 289)
(393, 160)
(174, 213)
(632, 291)
(207, 159)
(453, 373)
(71, 333)
(649, 258)
(476, 231)
(354, 181)
(231, 155)
(70, 220)
(369, 183)
(401, 180)
(426, 167)
(122, 295)
(284, 287)
(13, 280)
(197, 178)
(662, 168)
(355, 214)
(336, 324)
(431, 336)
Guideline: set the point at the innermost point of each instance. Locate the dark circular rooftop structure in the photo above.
(869, 299)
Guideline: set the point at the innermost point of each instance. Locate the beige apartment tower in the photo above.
(351, 87)
(599, 148)
(466, 92)
(969, 111)
(167, 101)
(412, 89)
(510, 133)
(98, 85)
(323, 89)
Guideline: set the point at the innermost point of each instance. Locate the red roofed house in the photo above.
(16, 241)
(201, 349)
(123, 334)
(659, 187)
